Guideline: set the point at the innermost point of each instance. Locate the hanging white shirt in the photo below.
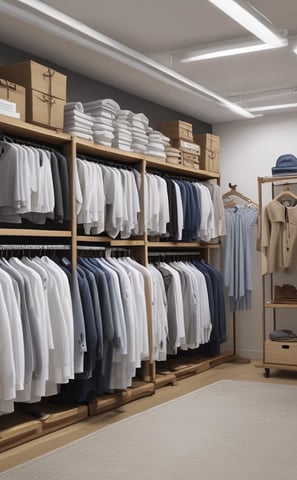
(16, 329)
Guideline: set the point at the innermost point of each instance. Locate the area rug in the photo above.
(229, 430)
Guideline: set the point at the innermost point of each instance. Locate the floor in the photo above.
(229, 370)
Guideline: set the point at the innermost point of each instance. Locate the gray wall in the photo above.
(83, 89)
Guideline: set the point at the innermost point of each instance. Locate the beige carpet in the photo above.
(230, 430)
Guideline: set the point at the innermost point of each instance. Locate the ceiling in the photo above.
(155, 31)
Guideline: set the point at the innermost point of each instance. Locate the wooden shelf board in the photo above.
(12, 126)
(95, 149)
(183, 245)
(152, 162)
(28, 232)
(280, 305)
(110, 241)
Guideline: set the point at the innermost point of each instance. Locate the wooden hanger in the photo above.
(230, 201)
(286, 195)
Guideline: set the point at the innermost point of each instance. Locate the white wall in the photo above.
(250, 148)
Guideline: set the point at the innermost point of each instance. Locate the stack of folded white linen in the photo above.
(157, 142)
(122, 131)
(103, 111)
(139, 123)
(77, 122)
(9, 109)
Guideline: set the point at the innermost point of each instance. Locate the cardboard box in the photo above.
(34, 76)
(14, 93)
(186, 146)
(210, 160)
(210, 151)
(45, 92)
(44, 110)
(190, 160)
(208, 141)
(176, 129)
(284, 353)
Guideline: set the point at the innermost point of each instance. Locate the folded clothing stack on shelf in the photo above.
(173, 155)
(77, 122)
(139, 123)
(103, 113)
(8, 108)
(283, 335)
(122, 131)
(157, 143)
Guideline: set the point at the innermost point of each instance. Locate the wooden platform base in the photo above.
(179, 368)
(22, 425)
(31, 421)
(107, 402)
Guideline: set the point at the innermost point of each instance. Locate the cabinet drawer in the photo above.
(280, 352)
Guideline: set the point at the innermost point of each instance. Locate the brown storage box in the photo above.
(44, 110)
(280, 352)
(176, 129)
(190, 160)
(208, 141)
(186, 146)
(14, 93)
(210, 160)
(45, 92)
(34, 76)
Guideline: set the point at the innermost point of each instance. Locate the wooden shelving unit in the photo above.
(276, 355)
(19, 427)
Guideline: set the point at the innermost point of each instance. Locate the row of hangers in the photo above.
(230, 197)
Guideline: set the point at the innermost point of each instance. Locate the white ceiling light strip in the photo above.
(249, 18)
(268, 108)
(222, 50)
(69, 28)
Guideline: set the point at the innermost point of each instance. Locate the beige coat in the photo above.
(278, 240)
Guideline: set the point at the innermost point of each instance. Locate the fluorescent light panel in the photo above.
(268, 108)
(251, 20)
(218, 51)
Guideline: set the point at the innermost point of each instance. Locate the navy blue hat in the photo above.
(285, 165)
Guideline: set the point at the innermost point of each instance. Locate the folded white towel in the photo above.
(102, 128)
(77, 115)
(122, 146)
(74, 106)
(104, 135)
(106, 102)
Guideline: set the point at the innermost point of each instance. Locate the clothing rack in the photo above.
(172, 177)
(229, 202)
(108, 251)
(34, 247)
(175, 253)
(28, 143)
(103, 161)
